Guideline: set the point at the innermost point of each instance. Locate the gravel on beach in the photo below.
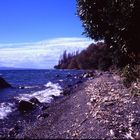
(100, 108)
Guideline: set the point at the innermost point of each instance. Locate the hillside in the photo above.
(95, 56)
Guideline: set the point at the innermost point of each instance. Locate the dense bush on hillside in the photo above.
(96, 56)
(115, 21)
(65, 60)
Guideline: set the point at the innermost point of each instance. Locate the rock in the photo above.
(76, 77)
(109, 103)
(88, 74)
(69, 75)
(111, 133)
(112, 90)
(124, 129)
(24, 106)
(80, 77)
(13, 131)
(21, 87)
(55, 97)
(135, 123)
(137, 137)
(79, 82)
(3, 83)
(69, 86)
(92, 100)
(57, 75)
(42, 116)
(34, 101)
(44, 107)
(66, 91)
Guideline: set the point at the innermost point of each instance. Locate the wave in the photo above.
(44, 96)
(5, 109)
(28, 87)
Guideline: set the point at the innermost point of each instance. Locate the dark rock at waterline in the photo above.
(13, 131)
(79, 82)
(42, 116)
(21, 87)
(69, 75)
(55, 97)
(57, 75)
(44, 107)
(24, 106)
(69, 86)
(88, 74)
(66, 91)
(34, 101)
(3, 83)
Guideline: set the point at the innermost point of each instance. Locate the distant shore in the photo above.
(99, 108)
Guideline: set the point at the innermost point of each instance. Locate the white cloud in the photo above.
(43, 54)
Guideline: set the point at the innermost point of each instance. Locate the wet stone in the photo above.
(135, 123)
(42, 116)
(34, 100)
(66, 91)
(3, 83)
(44, 107)
(109, 103)
(24, 106)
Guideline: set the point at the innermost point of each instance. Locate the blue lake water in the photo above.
(41, 84)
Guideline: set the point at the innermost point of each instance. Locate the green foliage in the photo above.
(130, 73)
(66, 60)
(96, 56)
(115, 21)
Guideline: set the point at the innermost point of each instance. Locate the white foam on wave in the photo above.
(5, 109)
(44, 96)
(61, 80)
(29, 87)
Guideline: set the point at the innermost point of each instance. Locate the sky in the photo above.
(34, 33)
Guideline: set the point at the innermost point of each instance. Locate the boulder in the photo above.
(42, 116)
(79, 82)
(24, 106)
(66, 91)
(13, 131)
(69, 86)
(34, 101)
(57, 75)
(88, 74)
(44, 107)
(69, 75)
(56, 97)
(3, 83)
(21, 87)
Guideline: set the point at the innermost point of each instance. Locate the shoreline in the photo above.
(25, 112)
(101, 107)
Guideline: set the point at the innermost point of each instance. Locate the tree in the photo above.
(95, 56)
(115, 21)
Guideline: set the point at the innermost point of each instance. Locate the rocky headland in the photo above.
(3, 83)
